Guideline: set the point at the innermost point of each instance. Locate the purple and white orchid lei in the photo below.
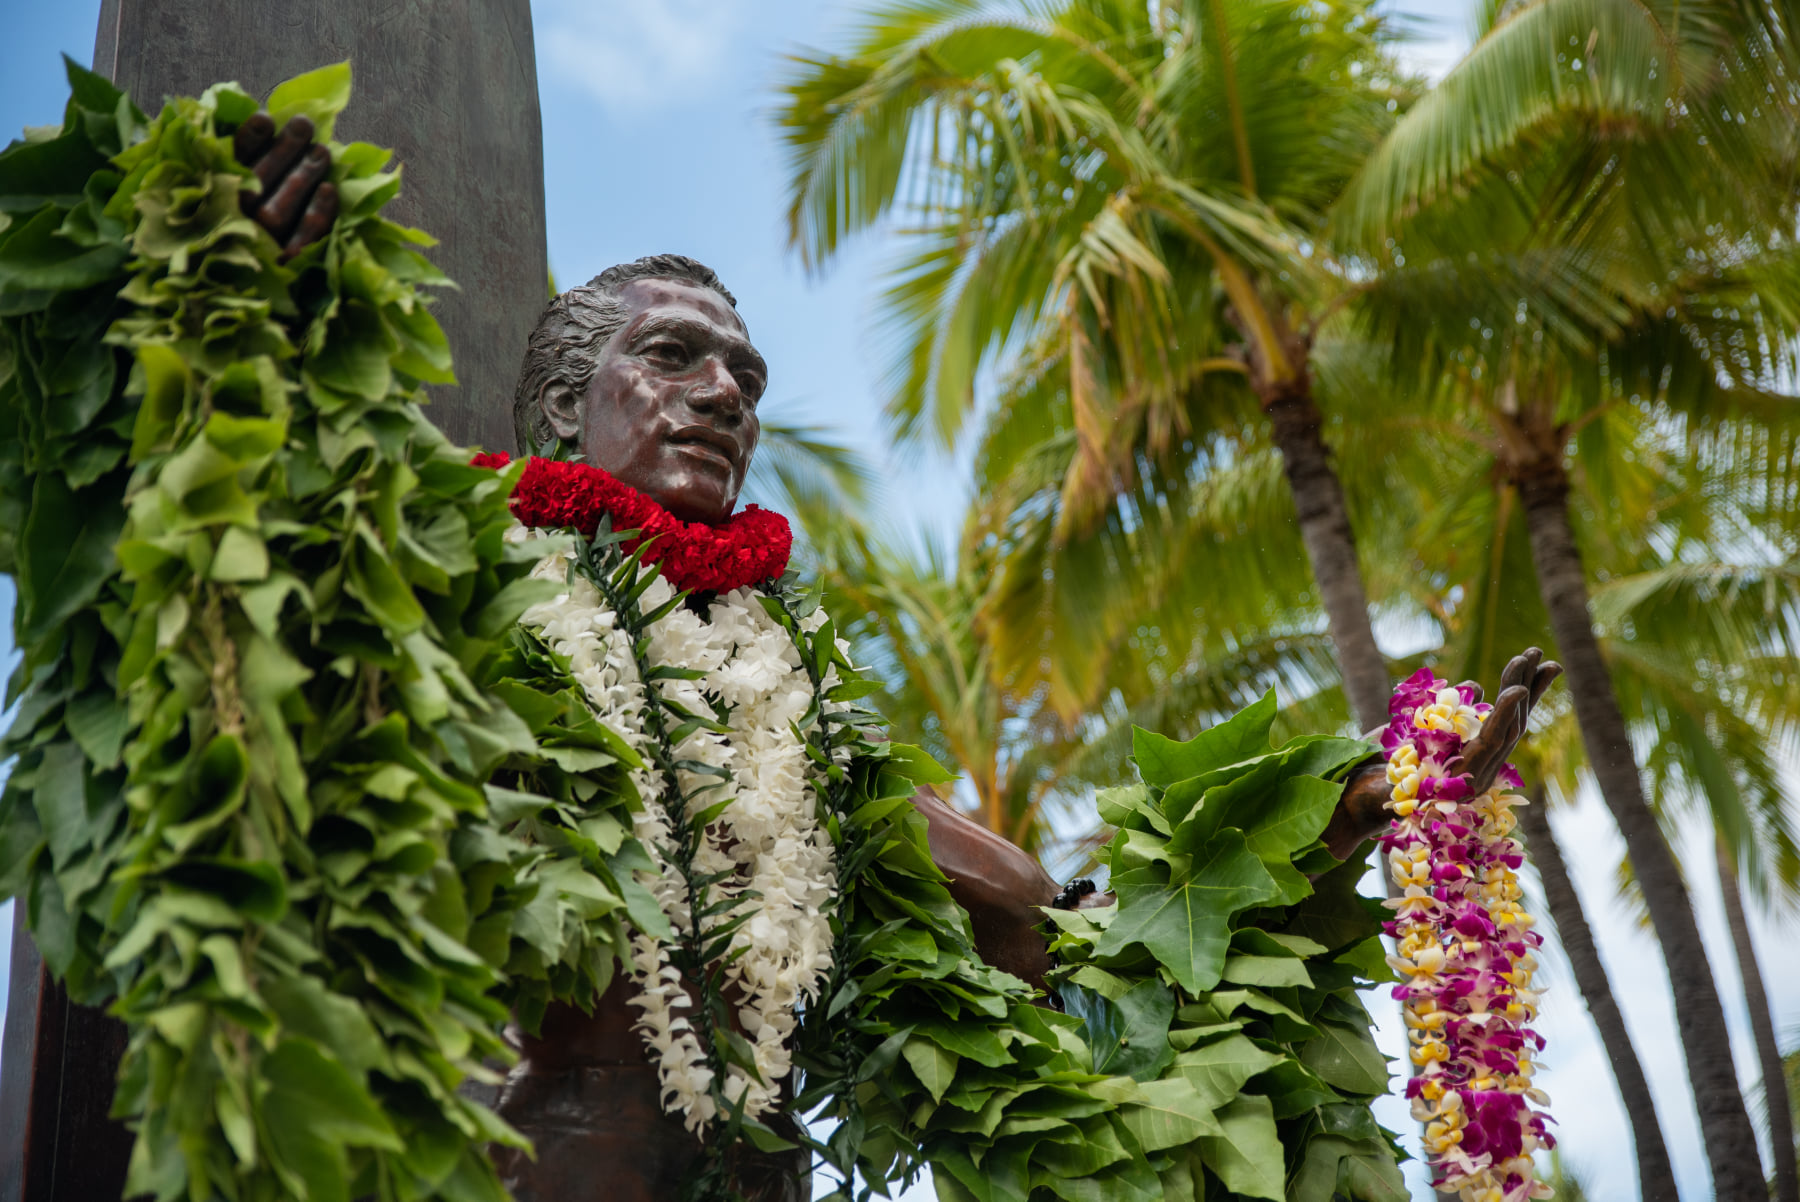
(1465, 950)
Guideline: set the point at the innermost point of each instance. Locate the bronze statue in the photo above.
(649, 373)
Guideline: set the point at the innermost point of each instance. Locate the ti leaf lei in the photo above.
(295, 792)
(259, 595)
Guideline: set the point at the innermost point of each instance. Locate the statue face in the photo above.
(671, 409)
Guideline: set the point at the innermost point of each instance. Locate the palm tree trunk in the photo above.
(1325, 526)
(1725, 1128)
(1768, 1053)
(1656, 1179)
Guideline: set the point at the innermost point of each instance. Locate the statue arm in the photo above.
(1000, 886)
(1004, 890)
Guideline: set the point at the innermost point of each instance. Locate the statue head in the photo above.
(648, 371)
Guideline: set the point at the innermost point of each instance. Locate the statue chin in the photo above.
(690, 496)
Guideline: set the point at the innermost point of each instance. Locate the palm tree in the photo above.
(1097, 198)
(1713, 728)
(1192, 567)
(1640, 153)
(1669, 616)
(914, 617)
(1720, 709)
(1067, 224)
(1656, 1175)
(1756, 998)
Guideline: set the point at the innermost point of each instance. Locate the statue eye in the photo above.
(667, 350)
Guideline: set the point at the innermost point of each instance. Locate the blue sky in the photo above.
(652, 88)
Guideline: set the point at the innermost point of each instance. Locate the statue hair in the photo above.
(564, 348)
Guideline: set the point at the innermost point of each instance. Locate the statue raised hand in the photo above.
(1361, 814)
(296, 202)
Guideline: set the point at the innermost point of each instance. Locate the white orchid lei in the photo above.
(743, 868)
(714, 703)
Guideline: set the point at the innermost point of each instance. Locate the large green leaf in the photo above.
(1162, 761)
(65, 551)
(1247, 1154)
(319, 95)
(933, 1065)
(1219, 1070)
(1173, 1113)
(1129, 1035)
(1185, 924)
(1278, 817)
(1347, 1058)
(37, 256)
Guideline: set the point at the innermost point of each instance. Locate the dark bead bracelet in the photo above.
(1072, 893)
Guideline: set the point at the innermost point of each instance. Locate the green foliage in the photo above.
(1119, 214)
(259, 601)
(1212, 1044)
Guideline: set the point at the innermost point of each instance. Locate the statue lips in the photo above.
(707, 443)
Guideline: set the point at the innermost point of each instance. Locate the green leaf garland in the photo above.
(1213, 1045)
(247, 805)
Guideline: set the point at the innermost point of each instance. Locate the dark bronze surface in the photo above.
(586, 1093)
(56, 1142)
(671, 407)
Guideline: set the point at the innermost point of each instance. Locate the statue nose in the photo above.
(718, 392)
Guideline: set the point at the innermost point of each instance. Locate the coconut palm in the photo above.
(1670, 618)
(915, 618)
(1656, 1175)
(1124, 200)
(1645, 166)
(1776, 1103)
(1719, 716)
(1078, 210)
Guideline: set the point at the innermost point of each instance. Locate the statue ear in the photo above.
(562, 410)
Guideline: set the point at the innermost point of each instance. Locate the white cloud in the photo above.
(641, 56)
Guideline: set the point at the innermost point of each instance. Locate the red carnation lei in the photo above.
(749, 549)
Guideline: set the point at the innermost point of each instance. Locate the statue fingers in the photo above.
(1546, 676)
(1474, 690)
(316, 222)
(1514, 673)
(1532, 656)
(252, 138)
(1513, 703)
(281, 211)
(281, 156)
(1072, 893)
(1499, 735)
(1518, 718)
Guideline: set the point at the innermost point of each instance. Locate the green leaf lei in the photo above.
(1213, 1044)
(294, 792)
(258, 592)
